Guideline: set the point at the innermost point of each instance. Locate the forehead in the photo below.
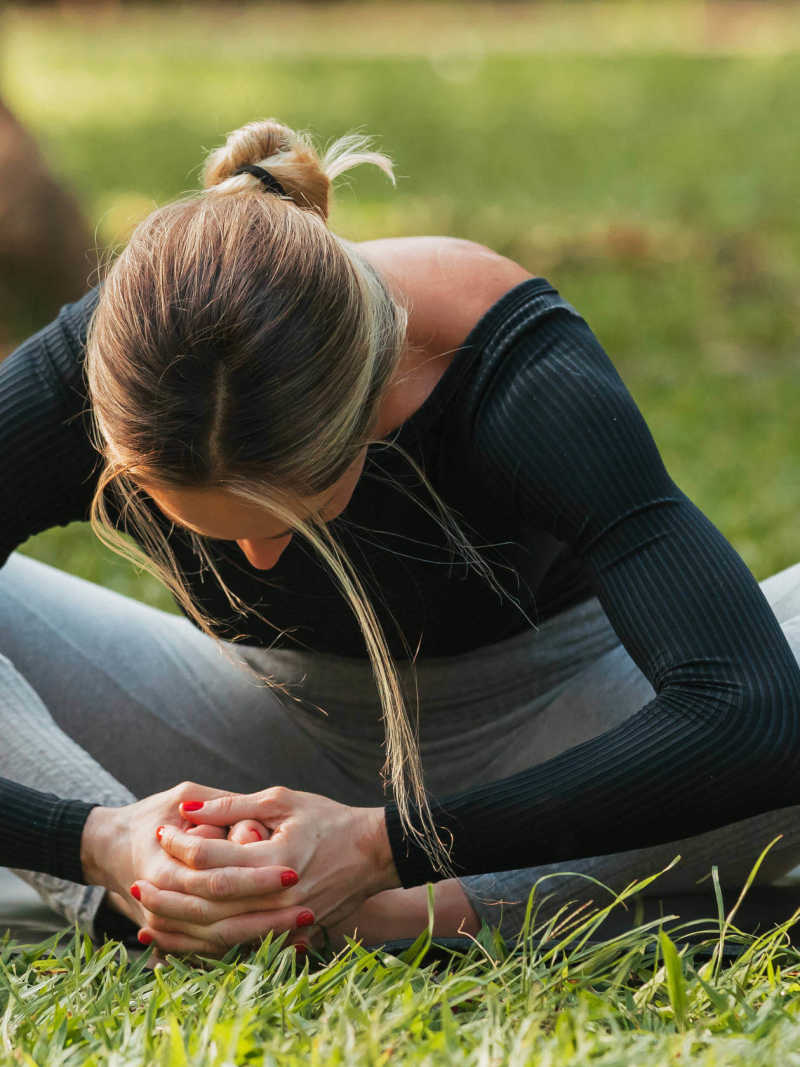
(219, 514)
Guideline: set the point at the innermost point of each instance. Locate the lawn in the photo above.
(564, 997)
(643, 159)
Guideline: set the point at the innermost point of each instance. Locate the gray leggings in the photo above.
(105, 699)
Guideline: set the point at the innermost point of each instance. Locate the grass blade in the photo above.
(676, 984)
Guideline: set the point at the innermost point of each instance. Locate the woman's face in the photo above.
(219, 514)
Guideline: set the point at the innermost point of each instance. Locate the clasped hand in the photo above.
(187, 867)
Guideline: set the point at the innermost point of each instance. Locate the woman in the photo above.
(386, 479)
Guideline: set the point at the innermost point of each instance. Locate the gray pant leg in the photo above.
(602, 696)
(105, 699)
(35, 752)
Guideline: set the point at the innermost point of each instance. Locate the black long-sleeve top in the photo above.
(533, 438)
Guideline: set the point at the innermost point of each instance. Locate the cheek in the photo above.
(346, 488)
(339, 502)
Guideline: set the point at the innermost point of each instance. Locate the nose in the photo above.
(264, 554)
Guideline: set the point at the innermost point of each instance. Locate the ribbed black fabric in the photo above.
(422, 593)
(531, 436)
(720, 741)
(41, 832)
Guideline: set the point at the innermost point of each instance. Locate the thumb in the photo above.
(246, 832)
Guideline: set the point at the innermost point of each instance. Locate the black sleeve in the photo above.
(721, 740)
(47, 461)
(41, 832)
(47, 464)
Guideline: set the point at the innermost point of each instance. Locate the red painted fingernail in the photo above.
(289, 878)
(144, 937)
(305, 918)
(300, 950)
(192, 805)
(136, 892)
(159, 832)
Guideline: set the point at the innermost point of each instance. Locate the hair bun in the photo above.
(287, 155)
(291, 158)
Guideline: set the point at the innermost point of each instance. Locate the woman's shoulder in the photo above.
(47, 460)
(447, 283)
(54, 354)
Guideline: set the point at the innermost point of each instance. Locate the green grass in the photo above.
(658, 191)
(562, 996)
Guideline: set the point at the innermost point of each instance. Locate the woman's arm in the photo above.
(557, 430)
(45, 462)
(396, 914)
(46, 456)
(48, 470)
(41, 832)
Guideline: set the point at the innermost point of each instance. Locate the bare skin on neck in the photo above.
(446, 284)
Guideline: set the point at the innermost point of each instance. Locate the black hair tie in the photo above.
(264, 176)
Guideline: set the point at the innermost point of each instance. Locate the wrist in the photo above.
(454, 915)
(382, 869)
(97, 844)
(402, 913)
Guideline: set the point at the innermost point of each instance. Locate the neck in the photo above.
(424, 357)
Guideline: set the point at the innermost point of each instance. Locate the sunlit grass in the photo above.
(661, 993)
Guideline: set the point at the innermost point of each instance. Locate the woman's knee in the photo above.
(782, 591)
(18, 700)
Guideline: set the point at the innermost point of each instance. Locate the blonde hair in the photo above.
(239, 344)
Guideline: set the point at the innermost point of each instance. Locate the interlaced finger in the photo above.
(199, 853)
(193, 909)
(225, 883)
(235, 930)
(178, 944)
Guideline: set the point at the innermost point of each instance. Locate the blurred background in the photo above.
(642, 156)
